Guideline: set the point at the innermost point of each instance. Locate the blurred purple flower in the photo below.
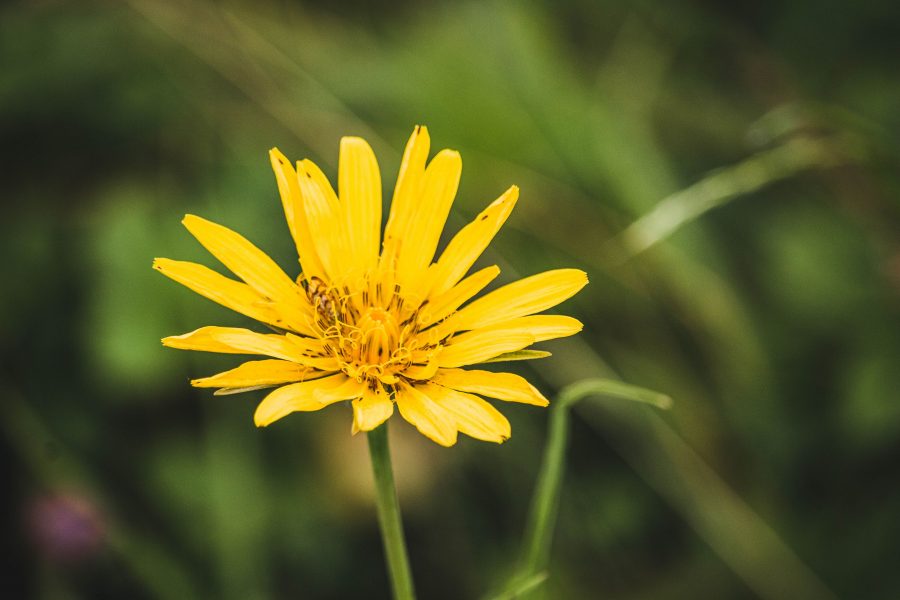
(65, 527)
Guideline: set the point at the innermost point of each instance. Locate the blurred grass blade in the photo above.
(738, 535)
(684, 206)
(521, 586)
(255, 65)
(545, 502)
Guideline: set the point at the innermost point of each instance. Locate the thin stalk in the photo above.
(532, 571)
(389, 515)
(545, 502)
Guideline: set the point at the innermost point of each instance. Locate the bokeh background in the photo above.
(727, 173)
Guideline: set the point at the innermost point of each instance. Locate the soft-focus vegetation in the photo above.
(726, 173)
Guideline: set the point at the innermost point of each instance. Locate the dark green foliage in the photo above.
(770, 313)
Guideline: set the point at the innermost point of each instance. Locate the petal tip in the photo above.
(303, 167)
(190, 220)
(353, 140)
(262, 420)
(278, 158)
(450, 155)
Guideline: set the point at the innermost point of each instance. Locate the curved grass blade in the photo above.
(545, 502)
(521, 586)
(687, 205)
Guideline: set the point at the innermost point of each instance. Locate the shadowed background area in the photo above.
(728, 177)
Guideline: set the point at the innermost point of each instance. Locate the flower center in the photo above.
(373, 338)
(379, 336)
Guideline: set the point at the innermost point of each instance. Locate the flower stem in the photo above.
(389, 514)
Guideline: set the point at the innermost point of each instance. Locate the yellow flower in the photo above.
(378, 329)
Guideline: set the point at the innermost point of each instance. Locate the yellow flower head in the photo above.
(377, 329)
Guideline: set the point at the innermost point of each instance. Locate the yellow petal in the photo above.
(503, 386)
(485, 343)
(524, 297)
(423, 232)
(475, 346)
(323, 213)
(421, 372)
(444, 304)
(373, 409)
(296, 316)
(473, 416)
(306, 396)
(359, 185)
(314, 353)
(244, 259)
(467, 245)
(426, 415)
(545, 327)
(259, 373)
(292, 200)
(233, 340)
(406, 194)
(232, 294)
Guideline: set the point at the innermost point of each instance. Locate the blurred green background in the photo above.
(726, 173)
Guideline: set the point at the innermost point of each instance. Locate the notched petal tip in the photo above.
(165, 265)
(278, 159)
(303, 168)
(191, 222)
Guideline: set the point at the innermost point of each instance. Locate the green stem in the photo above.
(389, 515)
(542, 516)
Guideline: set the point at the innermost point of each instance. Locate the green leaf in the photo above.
(518, 355)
